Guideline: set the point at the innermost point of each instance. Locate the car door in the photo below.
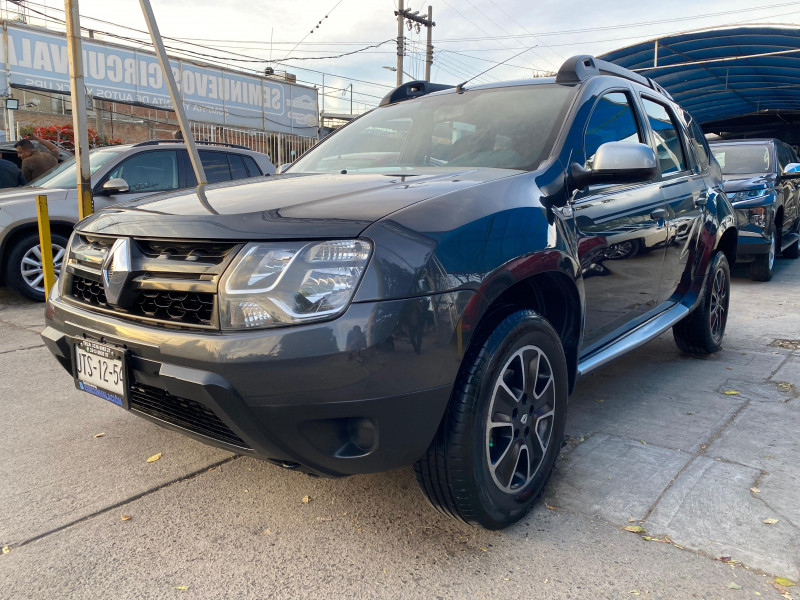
(682, 187)
(788, 186)
(145, 172)
(618, 227)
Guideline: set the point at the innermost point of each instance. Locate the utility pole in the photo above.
(78, 96)
(401, 41)
(414, 16)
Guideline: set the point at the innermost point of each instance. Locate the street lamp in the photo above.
(394, 70)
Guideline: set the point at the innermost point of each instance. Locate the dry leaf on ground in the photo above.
(306, 499)
(755, 490)
(126, 517)
(770, 521)
(734, 586)
(731, 392)
(6, 549)
(785, 582)
(154, 458)
(101, 434)
(635, 529)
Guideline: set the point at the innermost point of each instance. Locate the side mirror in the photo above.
(792, 170)
(617, 162)
(115, 186)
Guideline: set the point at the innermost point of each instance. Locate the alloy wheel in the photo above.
(31, 266)
(718, 311)
(520, 419)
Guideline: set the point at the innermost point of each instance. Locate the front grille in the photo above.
(89, 292)
(176, 307)
(172, 283)
(182, 412)
(188, 308)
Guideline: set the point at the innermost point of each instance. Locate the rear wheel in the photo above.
(763, 267)
(24, 272)
(499, 439)
(701, 332)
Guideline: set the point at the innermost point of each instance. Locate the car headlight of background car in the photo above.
(273, 283)
(748, 195)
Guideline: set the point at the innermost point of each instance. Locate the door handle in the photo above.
(659, 213)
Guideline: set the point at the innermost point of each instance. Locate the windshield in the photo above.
(507, 128)
(65, 174)
(743, 158)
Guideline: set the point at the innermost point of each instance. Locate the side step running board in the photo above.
(789, 239)
(637, 337)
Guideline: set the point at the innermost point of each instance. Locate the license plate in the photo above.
(100, 371)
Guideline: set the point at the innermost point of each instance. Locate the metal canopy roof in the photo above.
(726, 73)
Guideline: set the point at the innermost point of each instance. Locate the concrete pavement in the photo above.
(657, 439)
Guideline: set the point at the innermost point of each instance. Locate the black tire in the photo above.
(463, 473)
(701, 332)
(763, 267)
(22, 275)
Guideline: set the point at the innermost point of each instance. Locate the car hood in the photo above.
(738, 183)
(310, 206)
(27, 193)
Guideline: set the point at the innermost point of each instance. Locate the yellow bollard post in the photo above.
(45, 244)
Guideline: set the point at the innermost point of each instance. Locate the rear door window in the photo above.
(666, 132)
(252, 167)
(216, 166)
(612, 120)
(238, 170)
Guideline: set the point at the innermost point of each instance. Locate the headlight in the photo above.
(273, 284)
(748, 194)
(758, 216)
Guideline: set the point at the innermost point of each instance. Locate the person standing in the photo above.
(10, 175)
(35, 162)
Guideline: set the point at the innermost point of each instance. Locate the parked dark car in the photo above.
(431, 304)
(762, 180)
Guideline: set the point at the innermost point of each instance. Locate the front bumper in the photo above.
(321, 397)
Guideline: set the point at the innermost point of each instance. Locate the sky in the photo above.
(308, 37)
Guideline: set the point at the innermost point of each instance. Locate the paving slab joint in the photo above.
(188, 476)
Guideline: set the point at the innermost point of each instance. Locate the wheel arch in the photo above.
(551, 294)
(728, 243)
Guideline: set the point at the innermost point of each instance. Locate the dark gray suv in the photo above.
(423, 287)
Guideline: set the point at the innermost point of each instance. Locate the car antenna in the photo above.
(460, 86)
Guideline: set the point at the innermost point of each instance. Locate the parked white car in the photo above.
(118, 173)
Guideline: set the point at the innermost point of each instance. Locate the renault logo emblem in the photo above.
(117, 270)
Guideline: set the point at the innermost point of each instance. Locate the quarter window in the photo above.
(612, 120)
(667, 137)
(237, 166)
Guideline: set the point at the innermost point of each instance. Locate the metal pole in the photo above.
(400, 42)
(78, 95)
(45, 244)
(429, 50)
(177, 102)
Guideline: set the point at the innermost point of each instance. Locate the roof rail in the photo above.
(412, 89)
(582, 67)
(204, 142)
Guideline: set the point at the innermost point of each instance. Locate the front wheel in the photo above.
(498, 441)
(24, 272)
(701, 331)
(763, 267)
